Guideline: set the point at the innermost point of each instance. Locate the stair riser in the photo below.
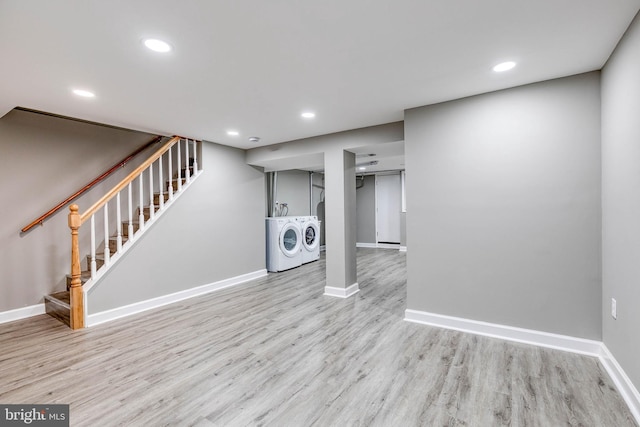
(58, 309)
(99, 262)
(146, 210)
(125, 228)
(174, 183)
(156, 197)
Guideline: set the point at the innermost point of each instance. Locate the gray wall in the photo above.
(621, 201)
(503, 207)
(43, 160)
(214, 231)
(293, 189)
(366, 211)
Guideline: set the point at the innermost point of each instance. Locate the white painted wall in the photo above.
(621, 201)
(503, 207)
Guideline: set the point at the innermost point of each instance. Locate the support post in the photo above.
(76, 292)
(340, 223)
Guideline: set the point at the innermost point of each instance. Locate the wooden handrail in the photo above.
(134, 174)
(84, 189)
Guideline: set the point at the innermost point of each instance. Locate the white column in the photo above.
(340, 223)
(186, 160)
(179, 167)
(130, 206)
(92, 266)
(170, 173)
(141, 202)
(152, 210)
(195, 157)
(118, 224)
(107, 251)
(161, 197)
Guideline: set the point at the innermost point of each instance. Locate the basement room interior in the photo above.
(320, 214)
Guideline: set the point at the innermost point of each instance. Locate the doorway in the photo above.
(388, 208)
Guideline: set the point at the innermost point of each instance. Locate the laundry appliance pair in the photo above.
(292, 241)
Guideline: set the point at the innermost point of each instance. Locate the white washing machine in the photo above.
(284, 243)
(310, 228)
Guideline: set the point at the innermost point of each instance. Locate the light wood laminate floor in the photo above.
(276, 352)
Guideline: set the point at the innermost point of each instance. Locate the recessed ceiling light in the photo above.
(157, 45)
(362, 168)
(504, 66)
(84, 93)
(254, 139)
(233, 133)
(308, 115)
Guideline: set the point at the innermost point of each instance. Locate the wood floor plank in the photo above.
(277, 352)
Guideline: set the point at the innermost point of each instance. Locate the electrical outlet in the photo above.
(614, 308)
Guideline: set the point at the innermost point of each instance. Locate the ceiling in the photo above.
(254, 66)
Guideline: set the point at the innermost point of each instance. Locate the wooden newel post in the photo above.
(76, 293)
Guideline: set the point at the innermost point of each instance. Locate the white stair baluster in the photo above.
(152, 209)
(141, 205)
(186, 161)
(118, 224)
(170, 173)
(107, 251)
(195, 157)
(161, 197)
(179, 167)
(92, 265)
(130, 200)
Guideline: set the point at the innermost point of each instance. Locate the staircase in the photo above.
(68, 305)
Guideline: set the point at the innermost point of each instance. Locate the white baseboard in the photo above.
(341, 292)
(138, 307)
(21, 313)
(366, 245)
(388, 245)
(527, 336)
(593, 348)
(403, 249)
(624, 385)
(378, 245)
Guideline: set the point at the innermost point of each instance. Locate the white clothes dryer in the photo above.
(284, 244)
(310, 228)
